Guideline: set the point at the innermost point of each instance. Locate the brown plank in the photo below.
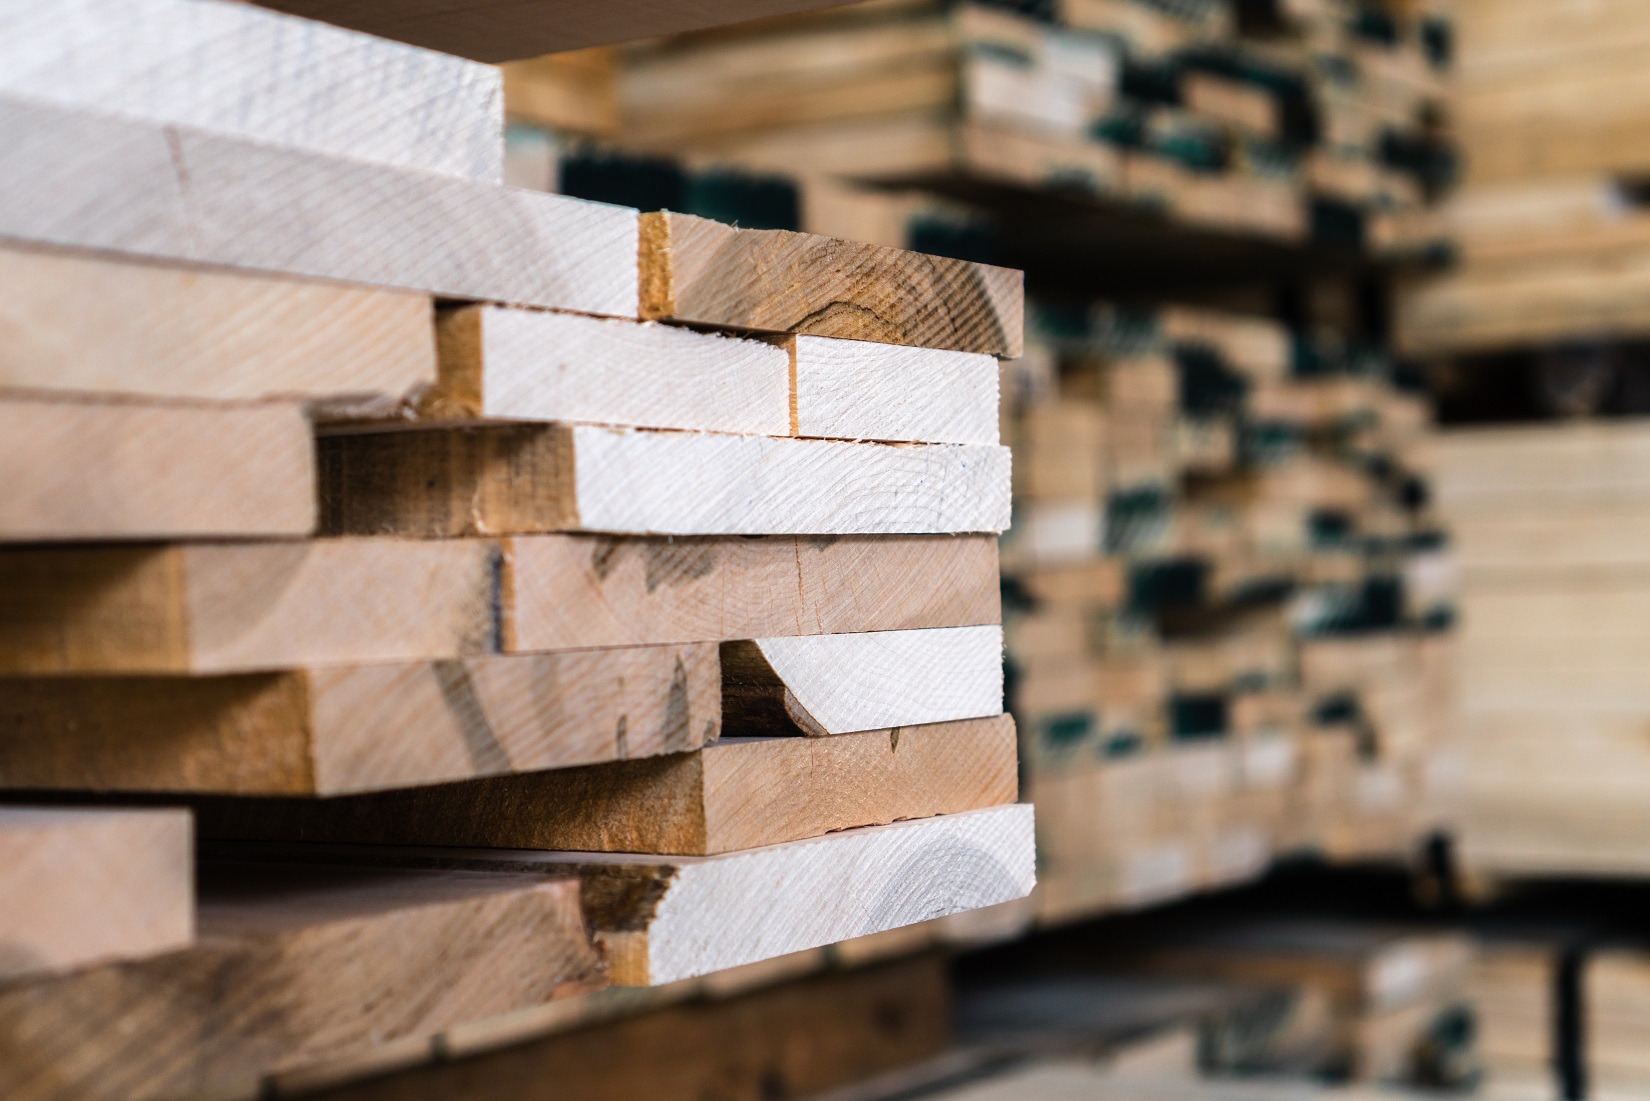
(85, 886)
(564, 591)
(352, 728)
(792, 1040)
(736, 794)
(295, 966)
(222, 607)
(703, 272)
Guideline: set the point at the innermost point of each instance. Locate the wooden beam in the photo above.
(241, 70)
(506, 30)
(86, 886)
(738, 793)
(860, 390)
(538, 366)
(512, 479)
(101, 470)
(796, 1039)
(768, 280)
(84, 180)
(99, 325)
(226, 607)
(840, 683)
(564, 591)
(354, 728)
(661, 919)
(278, 979)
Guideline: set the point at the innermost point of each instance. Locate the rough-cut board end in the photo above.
(654, 264)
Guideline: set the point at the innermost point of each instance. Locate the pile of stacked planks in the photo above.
(1397, 997)
(1553, 107)
(1228, 604)
(627, 583)
(1321, 121)
(1552, 685)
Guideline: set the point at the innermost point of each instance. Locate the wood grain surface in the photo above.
(129, 470)
(839, 683)
(738, 793)
(242, 70)
(85, 180)
(703, 272)
(660, 919)
(87, 886)
(293, 966)
(515, 479)
(82, 324)
(541, 366)
(794, 1039)
(352, 728)
(860, 390)
(564, 591)
(226, 607)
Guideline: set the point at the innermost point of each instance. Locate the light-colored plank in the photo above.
(738, 793)
(98, 325)
(661, 919)
(87, 886)
(226, 607)
(566, 591)
(241, 70)
(106, 470)
(539, 366)
(519, 479)
(703, 272)
(835, 684)
(859, 390)
(85, 180)
(296, 966)
(353, 728)
(489, 30)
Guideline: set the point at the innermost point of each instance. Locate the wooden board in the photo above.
(107, 470)
(859, 390)
(84, 180)
(217, 608)
(352, 728)
(703, 272)
(97, 325)
(738, 793)
(279, 977)
(513, 479)
(241, 70)
(504, 30)
(86, 886)
(564, 591)
(225, 607)
(663, 919)
(795, 1039)
(538, 366)
(836, 684)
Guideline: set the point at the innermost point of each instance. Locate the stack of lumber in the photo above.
(1616, 1009)
(627, 584)
(1322, 122)
(1226, 600)
(1552, 685)
(1553, 108)
(1398, 997)
(1514, 982)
